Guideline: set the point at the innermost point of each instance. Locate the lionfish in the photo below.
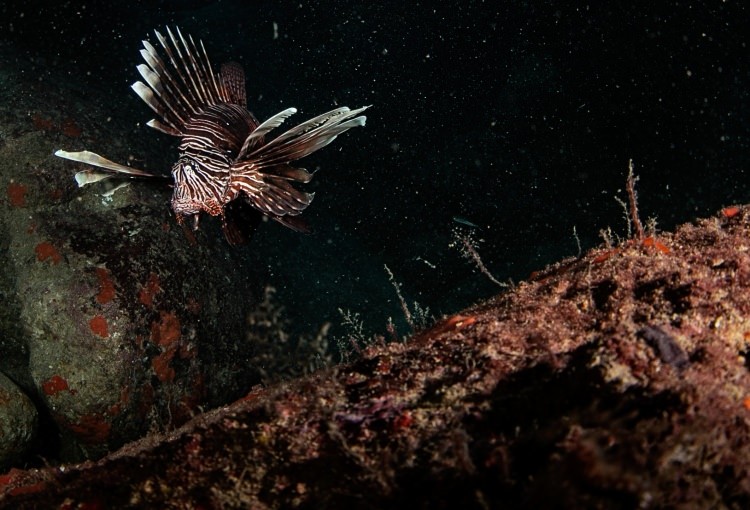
(227, 166)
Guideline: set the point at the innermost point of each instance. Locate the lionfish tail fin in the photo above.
(108, 168)
(180, 85)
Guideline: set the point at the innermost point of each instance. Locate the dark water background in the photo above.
(518, 116)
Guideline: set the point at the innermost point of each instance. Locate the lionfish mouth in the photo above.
(194, 217)
(225, 153)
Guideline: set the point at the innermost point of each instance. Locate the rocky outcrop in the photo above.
(18, 421)
(114, 321)
(615, 380)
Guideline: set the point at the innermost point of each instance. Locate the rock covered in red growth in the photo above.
(602, 384)
(149, 290)
(106, 286)
(70, 128)
(17, 194)
(99, 326)
(54, 385)
(87, 277)
(165, 331)
(47, 251)
(92, 428)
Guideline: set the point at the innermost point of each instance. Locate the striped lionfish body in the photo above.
(226, 163)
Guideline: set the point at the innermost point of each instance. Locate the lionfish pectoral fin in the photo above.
(110, 168)
(256, 137)
(306, 138)
(296, 223)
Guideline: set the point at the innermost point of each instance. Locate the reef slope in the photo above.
(617, 379)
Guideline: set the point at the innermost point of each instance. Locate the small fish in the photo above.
(464, 221)
(227, 166)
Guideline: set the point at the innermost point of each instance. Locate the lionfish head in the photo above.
(192, 194)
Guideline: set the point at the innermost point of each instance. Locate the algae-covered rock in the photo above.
(113, 319)
(618, 379)
(18, 421)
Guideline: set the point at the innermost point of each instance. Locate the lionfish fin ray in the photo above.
(152, 79)
(271, 194)
(296, 223)
(182, 87)
(184, 71)
(112, 169)
(289, 173)
(307, 138)
(254, 138)
(179, 86)
(199, 76)
(172, 92)
(222, 92)
(159, 126)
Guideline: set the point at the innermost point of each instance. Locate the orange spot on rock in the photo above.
(116, 408)
(731, 211)
(187, 350)
(70, 128)
(161, 365)
(7, 479)
(146, 401)
(193, 306)
(29, 489)
(91, 429)
(402, 421)
(604, 255)
(454, 322)
(167, 330)
(45, 251)
(55, 194)
(461, 321)
(42, 123)
(147, 293)
(106, 287)
(652, 241)
(17, 194)
(54, 385)
(746, 403)
(98, 325)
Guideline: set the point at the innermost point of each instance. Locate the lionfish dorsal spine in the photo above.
(217, 91)
(169, 86)
(198, 77)
(184, 84)
(182, 71)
